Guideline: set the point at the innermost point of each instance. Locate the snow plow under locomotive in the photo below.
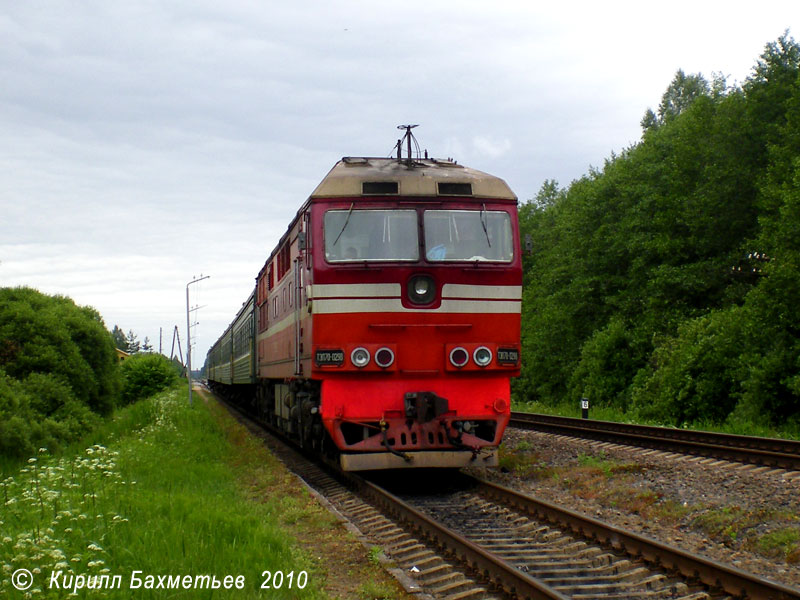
(384, 327)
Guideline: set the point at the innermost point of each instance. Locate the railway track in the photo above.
(574, 556)
(419, 565)
(775, 453)
(459, 537)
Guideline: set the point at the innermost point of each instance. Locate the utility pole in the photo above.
(176, 335)
(188, 336)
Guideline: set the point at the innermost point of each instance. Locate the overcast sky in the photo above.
(145, 142)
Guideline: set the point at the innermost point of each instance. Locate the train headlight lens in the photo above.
(360, 357)
(482, 356)
(421, 289)
(384, 357)
(459, 357)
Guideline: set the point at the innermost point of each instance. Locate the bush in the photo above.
(695, 376)
(609, 360)
(26, 421)
(51, 335)
(15, 415)
(146, 374)
(58, 371)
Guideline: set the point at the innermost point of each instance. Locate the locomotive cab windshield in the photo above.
(358, 235)
(391, 235)
(457, 235)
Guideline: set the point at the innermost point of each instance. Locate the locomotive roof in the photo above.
(422, 177)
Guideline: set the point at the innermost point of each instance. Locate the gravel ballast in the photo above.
(745, 516)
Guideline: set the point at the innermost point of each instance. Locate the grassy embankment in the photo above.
(170, 491)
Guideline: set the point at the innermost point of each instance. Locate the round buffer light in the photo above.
(482, 356)
(421, 289)
(458, 357)
(384, 357)
(360, 357)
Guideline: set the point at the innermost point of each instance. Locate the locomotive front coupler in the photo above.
(424, 407)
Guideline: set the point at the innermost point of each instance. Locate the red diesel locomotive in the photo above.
(384, 327)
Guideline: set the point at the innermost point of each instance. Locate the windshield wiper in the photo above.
(346, 221)
(483, 223)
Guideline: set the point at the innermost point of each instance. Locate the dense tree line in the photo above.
(666, 283)
(60, 374)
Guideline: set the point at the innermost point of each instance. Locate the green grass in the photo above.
(569, 409)
(374, 591)
(599, 462)
(781, 543)
(736, 523)
(157, 493)
(522, 461)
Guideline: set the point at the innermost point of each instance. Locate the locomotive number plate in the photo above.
(328, 358)
(507, 356)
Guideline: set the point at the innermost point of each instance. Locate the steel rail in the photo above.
(778, 453)
(499, 572)
(487, 565)
(716, 575)
(521, 585)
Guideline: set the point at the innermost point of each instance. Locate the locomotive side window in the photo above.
(458, 235)
(359, 235)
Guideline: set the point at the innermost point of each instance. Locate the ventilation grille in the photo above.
(379, 188)
(455, 189)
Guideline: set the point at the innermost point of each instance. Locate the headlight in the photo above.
(384, 357)
(482, 356)
(421, 289)
(360, 357)
(459, 357)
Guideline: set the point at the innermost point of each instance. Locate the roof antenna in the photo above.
(408, 137)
